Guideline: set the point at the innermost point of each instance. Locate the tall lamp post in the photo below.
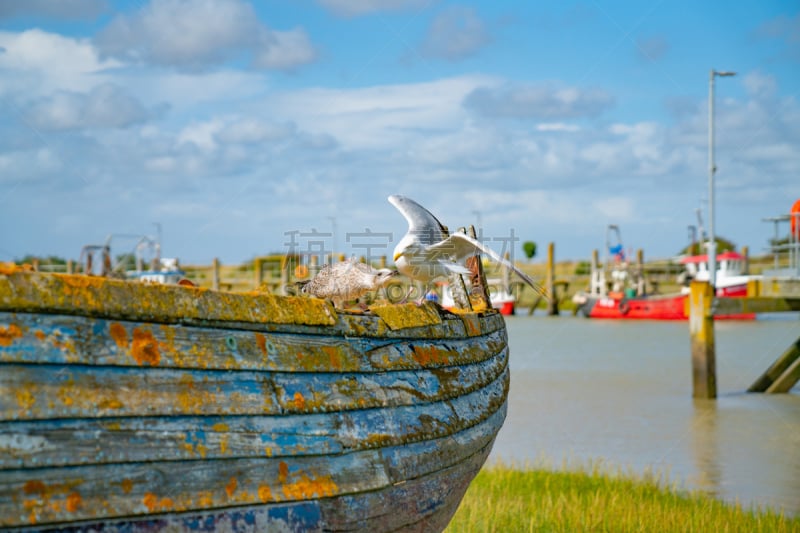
(712, 168)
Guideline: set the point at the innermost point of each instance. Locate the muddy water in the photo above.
(620, 392)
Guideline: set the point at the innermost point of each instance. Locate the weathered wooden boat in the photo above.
(132, 407)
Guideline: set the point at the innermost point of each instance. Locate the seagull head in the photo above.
(384, 275)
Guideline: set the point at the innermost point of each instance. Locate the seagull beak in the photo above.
(396, 256)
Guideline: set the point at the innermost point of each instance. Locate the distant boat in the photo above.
(127, 406)
(168, 273)
(730, 283)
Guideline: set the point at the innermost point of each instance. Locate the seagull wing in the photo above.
(459, 246)
(421, 222)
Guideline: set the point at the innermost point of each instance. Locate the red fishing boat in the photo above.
(627, 302)
(730, 283)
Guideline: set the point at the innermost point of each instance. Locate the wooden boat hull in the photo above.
(132, 407)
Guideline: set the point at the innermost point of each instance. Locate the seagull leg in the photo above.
(410, 291)
(428, 287)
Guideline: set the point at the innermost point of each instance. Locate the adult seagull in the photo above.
(426, 252)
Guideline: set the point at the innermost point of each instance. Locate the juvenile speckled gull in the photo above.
(345, 281)
(425, 254)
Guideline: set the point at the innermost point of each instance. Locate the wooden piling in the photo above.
(258, 273)
(70, 266)
(640, 284)
(552, 303)
(286, 264)
(701, 334)
(782, 375)
(215, 274)
(746, 255)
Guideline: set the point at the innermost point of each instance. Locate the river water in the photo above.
(620, 392)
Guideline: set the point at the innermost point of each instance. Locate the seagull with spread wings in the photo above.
(426, 252)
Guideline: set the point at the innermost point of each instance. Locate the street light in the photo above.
(712, 244)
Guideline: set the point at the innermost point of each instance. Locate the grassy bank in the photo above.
(505, 499)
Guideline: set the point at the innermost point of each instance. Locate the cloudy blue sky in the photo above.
(233, 124)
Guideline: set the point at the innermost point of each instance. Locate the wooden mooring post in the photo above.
(701, 333)
(215, 274)
(762, 297)
(552, 303)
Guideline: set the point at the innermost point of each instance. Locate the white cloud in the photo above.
(285, 50)
(614, 208)
(557, 126)
(105, 106)
(249, 130)
(374, 117)
(201, 134)
(543, 101)
(179, 32)
(42, 62)
(228, 130)
(195, 34)
(353, 8)
(455, 33)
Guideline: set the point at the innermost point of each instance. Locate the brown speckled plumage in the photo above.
(345, 281)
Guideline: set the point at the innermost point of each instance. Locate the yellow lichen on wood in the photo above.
(402, 316)
(37, 292)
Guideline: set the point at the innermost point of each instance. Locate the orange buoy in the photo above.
(794, 216)
(300, 271)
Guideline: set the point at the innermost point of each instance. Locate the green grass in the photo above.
(506, 499)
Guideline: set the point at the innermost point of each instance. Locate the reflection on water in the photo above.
(583, 390)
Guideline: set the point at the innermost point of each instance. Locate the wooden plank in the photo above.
(433, 498)
(49, 495)
(761, 304)
(777, 369)
(701, 334)
(165, 304)
(31, 392)
(32, 338)
(289, 517)
(41, 496)
(24, 291)
(48, 443)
